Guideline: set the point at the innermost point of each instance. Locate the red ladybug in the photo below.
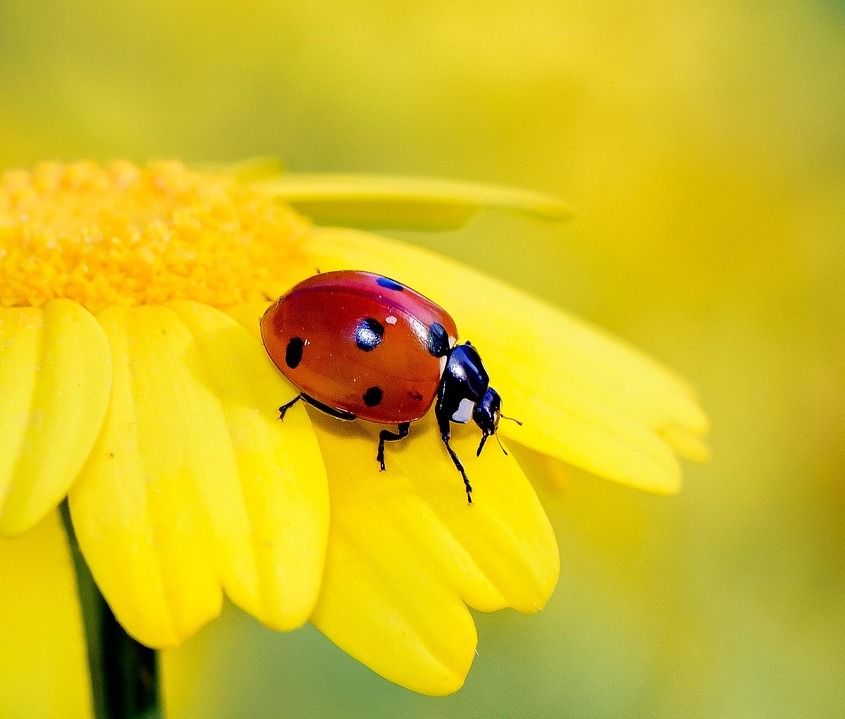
(360, 345)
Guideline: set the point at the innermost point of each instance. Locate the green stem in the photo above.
(124, 673)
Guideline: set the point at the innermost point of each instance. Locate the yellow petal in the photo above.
(194, 485)
(43, 664)
(280, 468)
(55, 375)
(686, 443)
(407, 553)
(404, 202)
(584, 397)
(250, 170)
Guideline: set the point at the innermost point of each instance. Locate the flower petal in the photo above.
(194, 483)
(403, 202)
(252, 169)
(55, 371)
(584, 397)
(686, 443)
(43, 663)
(406, 551)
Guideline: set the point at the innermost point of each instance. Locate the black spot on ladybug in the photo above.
(389, 284)
(372, 396)
(437, 341)
(368, 334)
(414, 395)
(293, 353)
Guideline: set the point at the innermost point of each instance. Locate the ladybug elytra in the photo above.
(358, 345)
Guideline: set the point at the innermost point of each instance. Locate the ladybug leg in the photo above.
(285, 407)
(445, 435)
(386, 436)
(331, 411)
(457, 461)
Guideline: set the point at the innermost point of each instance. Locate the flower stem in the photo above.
(124, 673)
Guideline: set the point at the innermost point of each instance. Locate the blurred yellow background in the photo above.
(702, 146)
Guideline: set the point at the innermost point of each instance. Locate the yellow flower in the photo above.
(134, 383)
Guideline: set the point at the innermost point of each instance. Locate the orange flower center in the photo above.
(121, 234)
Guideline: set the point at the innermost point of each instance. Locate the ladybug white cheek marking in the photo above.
(464, 412)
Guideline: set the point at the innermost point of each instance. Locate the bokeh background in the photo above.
(702, 146)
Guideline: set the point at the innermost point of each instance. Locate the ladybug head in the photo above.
(486, 415)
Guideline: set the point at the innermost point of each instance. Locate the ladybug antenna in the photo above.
(512, 419)
(504, 451)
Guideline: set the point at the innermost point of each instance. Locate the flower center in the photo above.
(121, 234)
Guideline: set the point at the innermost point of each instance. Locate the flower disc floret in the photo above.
(122, 234)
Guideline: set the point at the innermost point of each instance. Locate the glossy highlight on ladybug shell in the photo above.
(361, 344)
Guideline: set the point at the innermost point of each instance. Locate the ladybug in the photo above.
(358, 345)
